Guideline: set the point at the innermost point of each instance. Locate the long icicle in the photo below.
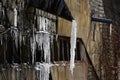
(15, 30)
(33, 48)
(46, 48)
(33, 45)
(73, 45)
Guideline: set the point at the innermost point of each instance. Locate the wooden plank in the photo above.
(63, 72)
(54, 73)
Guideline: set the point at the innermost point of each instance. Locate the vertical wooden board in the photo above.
(54, 72)
(64, 27)
(61, 73)
(64, 73)
(9, 74)
(31, 74)
(79, 72)
(68, 73)
(85, 66)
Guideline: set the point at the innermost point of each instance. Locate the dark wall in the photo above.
(112, 11)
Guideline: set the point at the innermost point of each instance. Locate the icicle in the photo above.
(43, 71)
(15, 34)
(40, 24)
(110, 29)
(39, 35)
(15, 17)
(73, 44)
(39, 40)
(46, 24)
(24, 40)
(33, 47)
(43, 38)
(46, 47)
(14, 30)
(20, 38)
(43, 23)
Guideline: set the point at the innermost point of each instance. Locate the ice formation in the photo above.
(73, 45)
(16, 34)
(39, 40)
(43, 71)
(14, 30)
(46, 48)
(43, 38)
(15, 17)
(20, 38)
(110, 29)
(33, 47)
(43, 41)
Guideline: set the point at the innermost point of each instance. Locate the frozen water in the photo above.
(33, 47)
(43, 38)
(43, 71)
(15, 34)
(14, 30)
(20, 38)
(43, 42)
(73, 44)
(110, 29)
(39, 40)
(46, 47)
(43, 24)
(15, 17)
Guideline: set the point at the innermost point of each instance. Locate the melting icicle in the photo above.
(43, 38)
(43, 24)
(43, 41)
(46, 47)
(33, 47)
(43, 71)
(73, 44)
(15, 34)
(39, 36)
(15, 17)
(39, 40)
(14, 30)
(110, 29)
(20, 38)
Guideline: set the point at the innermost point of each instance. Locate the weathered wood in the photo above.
(81, 12)
(54, 72)
(62, 72)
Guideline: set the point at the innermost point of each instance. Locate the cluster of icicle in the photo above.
(42, 39)
(43, 71)
(73, 45)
